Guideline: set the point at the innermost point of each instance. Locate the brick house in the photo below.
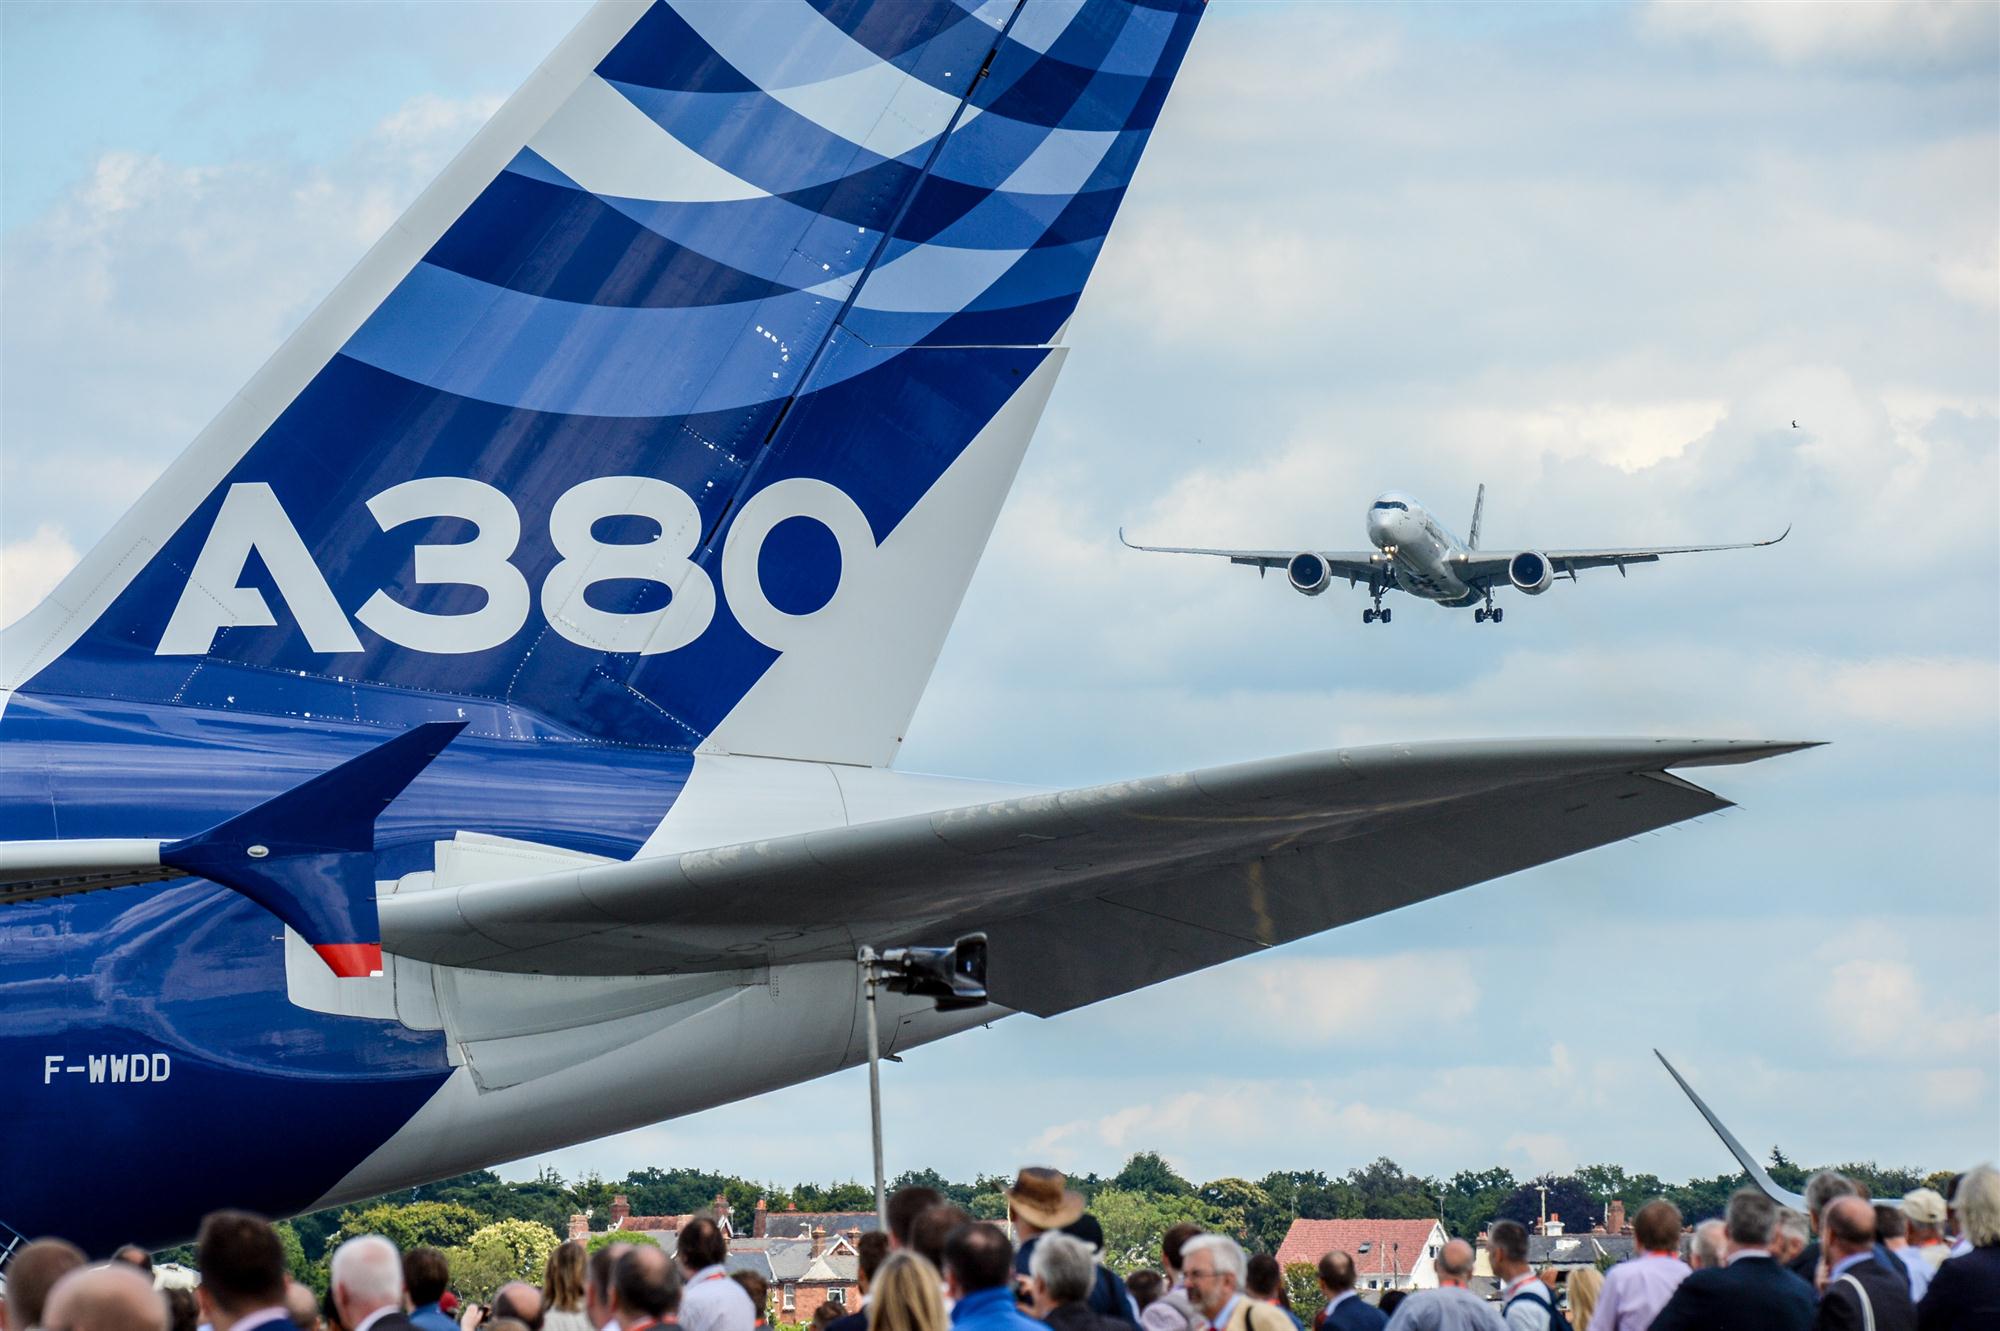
(808, 1258)
(1388, 1254)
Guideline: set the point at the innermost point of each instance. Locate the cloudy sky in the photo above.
(1598, 257)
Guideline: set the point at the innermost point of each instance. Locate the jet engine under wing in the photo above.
(1491, 565)
(1354, 565)
(1092, 892)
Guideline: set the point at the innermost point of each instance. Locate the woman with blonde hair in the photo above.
(1585, 1284)
(904, 1296)
(562, 1289)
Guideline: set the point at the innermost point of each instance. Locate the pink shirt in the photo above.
(1635, 1291)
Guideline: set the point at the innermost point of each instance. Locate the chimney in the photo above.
(1555, 1226)
(620, 1208)
(579, 1227)
(758, 1218)
(1614, 1217)
(819, 1240)
(853, 1236)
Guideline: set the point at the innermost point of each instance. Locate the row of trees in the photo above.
(497, 1231)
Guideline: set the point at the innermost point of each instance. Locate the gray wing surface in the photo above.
(1491, 565)
(1088, 893)
(1354, 565)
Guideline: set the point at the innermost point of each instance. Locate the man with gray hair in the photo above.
(1062, 1270)
(1821, 1188)
(1749, 1291)
(1213, 1265)
(1965, 1292)
(366, 1280)
(112, 1297)
(1451, 1306)
(1794, 1233)
(1707, 1245)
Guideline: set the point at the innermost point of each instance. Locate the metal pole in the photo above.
(867, 959)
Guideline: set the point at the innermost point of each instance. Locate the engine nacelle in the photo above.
(1531, 572)
(1308, 573)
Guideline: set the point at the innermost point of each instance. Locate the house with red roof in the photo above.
(1388, 1254)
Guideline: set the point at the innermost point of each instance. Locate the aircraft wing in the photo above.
(1491, 565)
(1353, 565)
(1087, 893)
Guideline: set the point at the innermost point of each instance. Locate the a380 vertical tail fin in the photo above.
(676, 412)
(1478, 512)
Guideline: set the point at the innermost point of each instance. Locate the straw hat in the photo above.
(1043, 1198)
(1924, 1206)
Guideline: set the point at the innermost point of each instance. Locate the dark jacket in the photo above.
(1888, 1297)
(851, 1322)
(1079, 1317)
(1354, 1315)
(1753, 1294)
(1964, 1294)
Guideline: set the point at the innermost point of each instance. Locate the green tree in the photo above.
(1473, 1197)
(1303, 1292)
(502, 1251)
(1238, 1208)
(416, 1225)
(1147, 1172)
(611, 1236)
(1386, 1192)
(1134, 1222)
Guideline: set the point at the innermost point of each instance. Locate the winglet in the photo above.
(1757, 1173)
(1779, 537)
(308, 855)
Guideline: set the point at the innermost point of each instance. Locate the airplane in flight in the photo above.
(1414, 553)
(480, 739)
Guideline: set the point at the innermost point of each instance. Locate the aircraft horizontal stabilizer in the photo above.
(307, 856)
(1094, 892)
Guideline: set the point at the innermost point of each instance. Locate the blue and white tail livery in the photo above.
(479, 740)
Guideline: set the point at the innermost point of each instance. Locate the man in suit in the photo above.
(243, 1273)
(1860, 1294)
(367, 1283)
(1345, 1310)
(1749, 1291)
(1965, 1292)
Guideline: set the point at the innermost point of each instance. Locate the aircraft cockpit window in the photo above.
(1395, 504)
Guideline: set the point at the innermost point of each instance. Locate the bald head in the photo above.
(31, 1275)
(1847, 1226)
(1454, 1263)
(521, 1301)
(105, 1298)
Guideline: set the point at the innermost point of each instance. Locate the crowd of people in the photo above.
(1925, 1262)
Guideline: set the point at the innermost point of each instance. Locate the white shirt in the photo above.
(713, 1302)
(264, 1317)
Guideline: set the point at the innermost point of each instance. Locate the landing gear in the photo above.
(1487, 611)
(1370, 616)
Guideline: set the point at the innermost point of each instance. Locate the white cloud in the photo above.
(30, 568)
(1906, 33)
(1880, 1003)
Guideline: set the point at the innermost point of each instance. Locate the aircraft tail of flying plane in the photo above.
(475, 742)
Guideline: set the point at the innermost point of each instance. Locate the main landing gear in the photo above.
(1486, 612)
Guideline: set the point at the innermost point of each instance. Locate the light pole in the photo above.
(955, 976)
(870, 979)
